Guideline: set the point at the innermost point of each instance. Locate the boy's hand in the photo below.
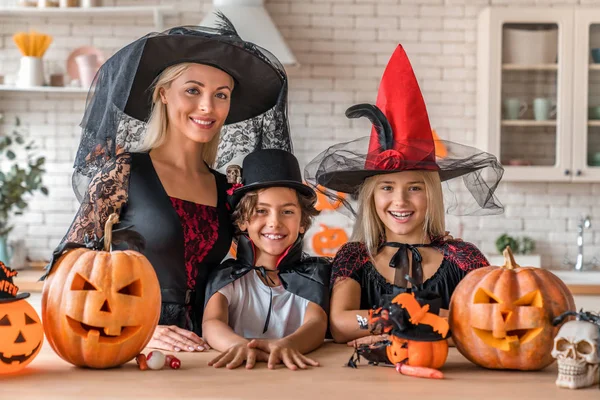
(236, 355)
(281, 351)
(173, 338)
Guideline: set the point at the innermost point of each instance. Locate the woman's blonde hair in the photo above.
(156, 129)
(368, 228)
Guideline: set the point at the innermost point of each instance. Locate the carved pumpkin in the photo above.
(100, 308)
(501, 317)
(416, 353)
(21, 335)
(325, 203)
(326, 242)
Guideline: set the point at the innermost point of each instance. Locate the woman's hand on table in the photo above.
(173, 338)
(281, 352)
(371, 339)
(236, 355)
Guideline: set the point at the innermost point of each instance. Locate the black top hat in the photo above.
(8, 290)
(270, 168)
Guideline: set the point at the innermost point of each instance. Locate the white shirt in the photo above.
(249, 298)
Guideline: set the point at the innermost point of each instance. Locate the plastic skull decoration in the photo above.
(576, 349)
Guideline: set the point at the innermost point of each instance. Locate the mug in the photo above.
(596, 56)
(543, 109)
(594, 112)
(514, 108)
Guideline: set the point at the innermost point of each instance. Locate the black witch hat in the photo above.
(9, 292)
(269, 168)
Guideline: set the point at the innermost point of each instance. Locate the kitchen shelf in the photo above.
(158, 12)
(43, 89)
(533, 67)
(594, 123)
(525, 122)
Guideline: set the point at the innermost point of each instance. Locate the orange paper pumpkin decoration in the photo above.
(325, 203)
(501, 317)
(100, 308)
(418, 354)
(21, 333)
(326, 242)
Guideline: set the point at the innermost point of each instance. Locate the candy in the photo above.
(155, 360)
(175, 363)
(140, 359)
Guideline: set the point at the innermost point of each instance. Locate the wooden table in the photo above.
(49, 377)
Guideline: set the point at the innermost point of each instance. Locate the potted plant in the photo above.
(20, 175)
(522, 249)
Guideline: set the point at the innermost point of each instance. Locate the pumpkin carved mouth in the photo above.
(19, 358)
(512, 338)
(98, 333)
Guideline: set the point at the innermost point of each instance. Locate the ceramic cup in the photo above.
(514, 108)
(594, 112)
(543, 109)
(87, 65)
(31, 72)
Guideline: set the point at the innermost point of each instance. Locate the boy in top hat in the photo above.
(271, 302)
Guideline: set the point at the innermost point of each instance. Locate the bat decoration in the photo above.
(420, 315)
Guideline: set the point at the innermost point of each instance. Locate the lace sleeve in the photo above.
(348, 261)
(465, 255)
(106, 194)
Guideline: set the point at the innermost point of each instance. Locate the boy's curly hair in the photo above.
(247, 204)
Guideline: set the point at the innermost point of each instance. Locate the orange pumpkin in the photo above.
(100, 308)
(21, 335)
(501, 317)
(326, 242)
(325, 203)
(418, 354)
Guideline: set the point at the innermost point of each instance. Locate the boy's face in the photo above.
(275, 223)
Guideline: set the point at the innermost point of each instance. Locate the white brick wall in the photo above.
(343, 47)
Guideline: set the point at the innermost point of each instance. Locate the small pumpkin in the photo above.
(501, 317)
(21, 333)
(416, 353)
(100, 307)
(326, 242)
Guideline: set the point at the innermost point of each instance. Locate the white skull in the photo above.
(578, 355)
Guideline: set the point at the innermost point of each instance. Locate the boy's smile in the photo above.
(274, 225)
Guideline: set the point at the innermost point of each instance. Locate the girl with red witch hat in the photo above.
(398, 239)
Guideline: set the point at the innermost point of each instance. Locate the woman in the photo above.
(150, 137)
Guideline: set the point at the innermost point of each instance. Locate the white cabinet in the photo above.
(539, 92)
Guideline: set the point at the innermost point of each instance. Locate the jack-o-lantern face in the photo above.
(326, 242)
(418, 354)
(21, 335)
(501, 317)
(100, 309)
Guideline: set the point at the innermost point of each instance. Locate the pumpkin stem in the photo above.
(112, 219)
(509, 259)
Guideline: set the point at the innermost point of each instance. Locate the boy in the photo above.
(270, 303)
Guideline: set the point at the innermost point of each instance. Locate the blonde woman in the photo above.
(149, 146)
(398, 240)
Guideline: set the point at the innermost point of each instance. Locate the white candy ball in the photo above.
(155, 360)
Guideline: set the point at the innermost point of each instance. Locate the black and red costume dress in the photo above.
(352, 261)
(184, 240)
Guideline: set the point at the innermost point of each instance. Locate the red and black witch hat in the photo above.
(402, 140)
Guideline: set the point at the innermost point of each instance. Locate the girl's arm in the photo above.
(345, 304)
(215, 324)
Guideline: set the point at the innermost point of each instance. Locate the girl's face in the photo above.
(275, 223)
(401, 204)
(198, 102)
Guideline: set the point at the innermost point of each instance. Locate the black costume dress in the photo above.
(307, 277)
(352, 261)
(184, 240)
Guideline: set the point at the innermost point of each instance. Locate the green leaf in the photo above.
(18, 121)
(11, 155)
(44, 190)
(40, 161)
(21, 204)
(19, 140)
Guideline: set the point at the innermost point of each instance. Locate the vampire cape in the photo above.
(307, 277)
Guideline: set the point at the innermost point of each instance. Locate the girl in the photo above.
(150, 135)
(398, 238)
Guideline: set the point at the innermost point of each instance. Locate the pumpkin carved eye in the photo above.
(29, 320)
(133, 289)
(80, 283)
(5, 321)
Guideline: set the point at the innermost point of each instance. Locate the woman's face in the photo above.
(198, 102)
(401, 204)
